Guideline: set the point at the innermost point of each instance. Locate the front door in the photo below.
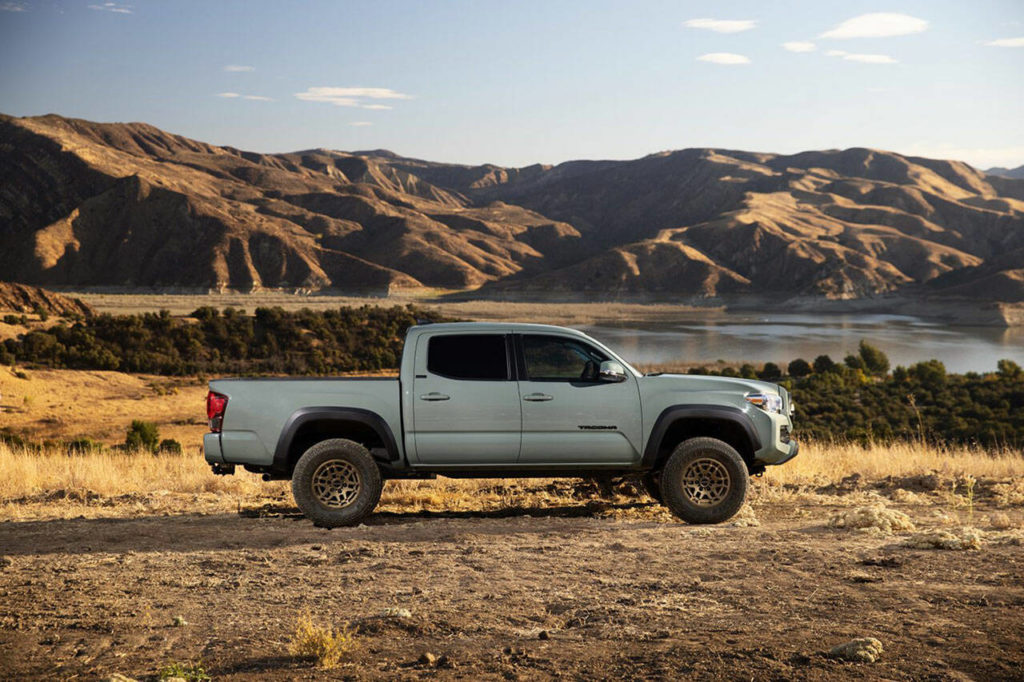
(569, 415)
(466, 403)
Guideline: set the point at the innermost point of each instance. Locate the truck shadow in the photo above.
(267, 527)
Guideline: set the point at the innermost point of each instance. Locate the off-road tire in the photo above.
(704, 481)
(652, 486)
(330, 461)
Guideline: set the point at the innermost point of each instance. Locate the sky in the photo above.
(516, 83)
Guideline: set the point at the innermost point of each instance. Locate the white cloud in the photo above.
(878, 25)
(799, 46)
(112, 7)
(721, 25)
(258, 98)
(238, 68)
(1006, 42)
(13, 7)
(870, 58)
(862, 58)
(360, 124)
(349, 97)
(228, 95)
(381, 107)
(723, 58)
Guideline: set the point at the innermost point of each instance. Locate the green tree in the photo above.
(1010, 370)
(771, 371)
(799, 368)
(875, 361)
(823, 364)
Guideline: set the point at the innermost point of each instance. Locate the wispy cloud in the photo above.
(381, 107)
(1006, 42)
(721, 25)
(13, 7)
(862, 58)
(113, 7)
(350, 97)
(723, 58)
(238, 95)
(878, 25)
(238, 68)
(360, 124)
(799, 46)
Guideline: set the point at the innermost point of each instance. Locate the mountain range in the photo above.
(86, 204)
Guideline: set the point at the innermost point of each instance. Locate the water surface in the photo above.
(749, 337)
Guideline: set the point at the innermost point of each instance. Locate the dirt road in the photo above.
(542, 593)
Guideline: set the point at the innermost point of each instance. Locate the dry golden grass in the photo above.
(51, 483)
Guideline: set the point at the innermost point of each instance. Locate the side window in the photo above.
(556, 358)
(481, 357)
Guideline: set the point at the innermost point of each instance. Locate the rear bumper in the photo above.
(211, 448)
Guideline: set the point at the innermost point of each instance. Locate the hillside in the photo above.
(129, 205)
(18, 298)
(1017, 172)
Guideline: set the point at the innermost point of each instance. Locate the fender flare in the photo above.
(306, 415)
(671, 415)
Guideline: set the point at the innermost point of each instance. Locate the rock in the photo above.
(544, 634)
(427, 658)
(446, 661)
(6, 561)
(118, 677)
(860, 650)
(394, 612)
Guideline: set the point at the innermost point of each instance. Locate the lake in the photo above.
(755, 338)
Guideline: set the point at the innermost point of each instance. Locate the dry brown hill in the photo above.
(129, 205)
(19, 298)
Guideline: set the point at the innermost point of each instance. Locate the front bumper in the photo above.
(781, 447)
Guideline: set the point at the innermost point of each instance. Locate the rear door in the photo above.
(466, 404)
(569, 415)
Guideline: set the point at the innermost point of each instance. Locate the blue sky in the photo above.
(515, 83)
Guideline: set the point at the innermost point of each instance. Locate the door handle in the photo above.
(434, 395)
(538, 397)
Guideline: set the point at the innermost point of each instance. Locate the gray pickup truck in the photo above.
(501, 400)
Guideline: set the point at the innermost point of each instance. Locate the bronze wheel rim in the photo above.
(336, 484)
(706, 482)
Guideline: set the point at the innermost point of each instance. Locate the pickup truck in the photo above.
(501, 400)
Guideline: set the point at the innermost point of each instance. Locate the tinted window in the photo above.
(476, 356)
(554, 358)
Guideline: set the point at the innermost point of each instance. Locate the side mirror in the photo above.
(612, 372)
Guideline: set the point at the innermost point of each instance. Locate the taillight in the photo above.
(216, 403)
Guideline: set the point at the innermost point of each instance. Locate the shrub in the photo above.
(83, 446)
(169, 446)
(1008, 369)
(770, 372)
(325, 645)
(142, 435)
(190, 672)
(824, 363)
(12, 319)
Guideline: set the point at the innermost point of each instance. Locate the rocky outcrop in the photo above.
(20, 298)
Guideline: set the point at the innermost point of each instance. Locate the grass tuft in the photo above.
(325, 645)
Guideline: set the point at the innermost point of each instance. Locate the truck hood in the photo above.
(698, 382)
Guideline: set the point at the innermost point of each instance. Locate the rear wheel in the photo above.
(704, 481)
(336, 483)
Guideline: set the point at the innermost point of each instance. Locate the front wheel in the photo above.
(704, 481)
(336, 483)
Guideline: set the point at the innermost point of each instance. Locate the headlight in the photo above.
(769, 402)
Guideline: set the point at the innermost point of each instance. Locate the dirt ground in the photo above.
(521, 593)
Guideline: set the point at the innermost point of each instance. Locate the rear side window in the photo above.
(482, 357)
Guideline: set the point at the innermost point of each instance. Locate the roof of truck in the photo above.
(493, 327)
